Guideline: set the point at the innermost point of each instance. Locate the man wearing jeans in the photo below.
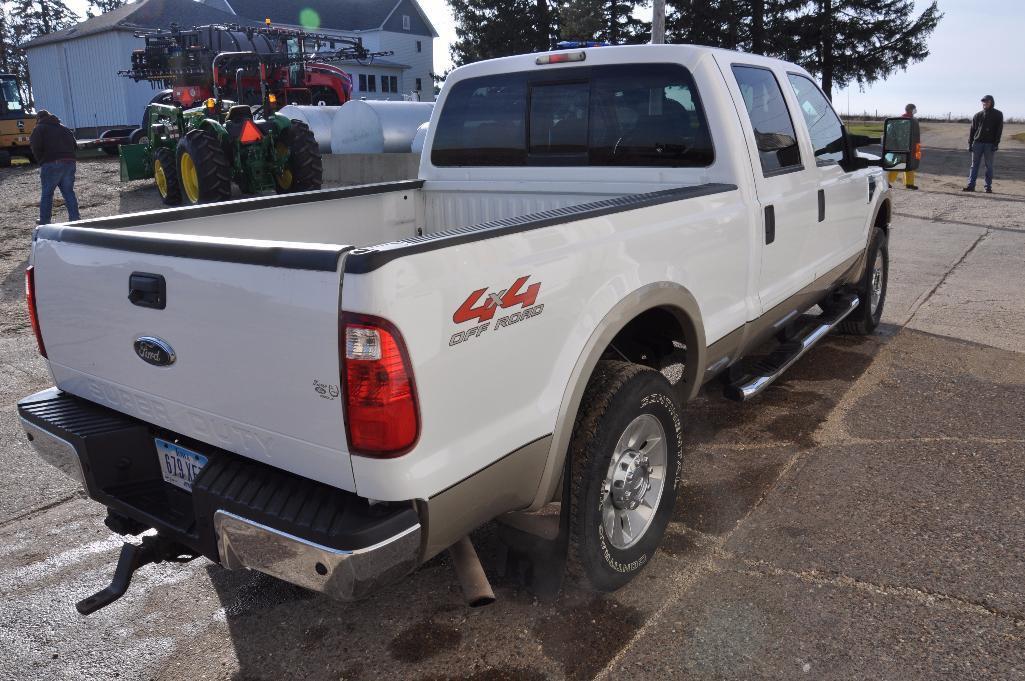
(54, 146)
(983, 140)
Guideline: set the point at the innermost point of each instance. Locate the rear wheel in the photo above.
(5, 158)
(304, 169)
(626, 451)
(871, 289)
(165, 172)
(137, 136)
(203, 168)
(323, 96)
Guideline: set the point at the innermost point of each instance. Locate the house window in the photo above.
(362, 82)
(419, 46)
(394, 80)
(419, 86)
(405, 22)
(371, 83)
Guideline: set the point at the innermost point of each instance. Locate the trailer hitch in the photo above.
(154, 549)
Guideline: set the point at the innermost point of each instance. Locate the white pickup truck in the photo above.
(334, 386)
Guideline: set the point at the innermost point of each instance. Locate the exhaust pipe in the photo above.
(476, 588)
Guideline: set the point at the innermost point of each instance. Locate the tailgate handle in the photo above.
(147, 290)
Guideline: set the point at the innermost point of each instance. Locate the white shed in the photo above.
(73, 72)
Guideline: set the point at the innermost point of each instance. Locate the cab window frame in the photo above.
(675, 75)
(843, 128)
(784, 170)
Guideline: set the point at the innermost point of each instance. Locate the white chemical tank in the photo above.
(372, 127)
(319, 119)
(420, 137)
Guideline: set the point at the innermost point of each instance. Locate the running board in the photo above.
(766, 371)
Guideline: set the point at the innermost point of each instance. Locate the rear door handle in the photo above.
(822, 205)
(147, 290)
(770, 224)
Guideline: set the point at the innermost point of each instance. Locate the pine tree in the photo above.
(610, 21)
(862, 41)
(758, 26)
(29, 19)
(39, 17)
(8, 54)
(485, 29)
(97, 7)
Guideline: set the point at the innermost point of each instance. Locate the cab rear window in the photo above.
(636, 115)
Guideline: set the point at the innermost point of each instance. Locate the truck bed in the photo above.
(363, 216)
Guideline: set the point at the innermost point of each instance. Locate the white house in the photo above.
(74, 72)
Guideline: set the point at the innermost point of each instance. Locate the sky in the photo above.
(977, 49)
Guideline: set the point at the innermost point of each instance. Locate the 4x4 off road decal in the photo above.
(482, 308)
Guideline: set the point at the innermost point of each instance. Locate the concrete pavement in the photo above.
(862, 519)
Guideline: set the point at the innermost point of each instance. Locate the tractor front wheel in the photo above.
(203, 169)
(165, 172)
(304, 169)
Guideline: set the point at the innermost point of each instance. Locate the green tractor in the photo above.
(195, 154)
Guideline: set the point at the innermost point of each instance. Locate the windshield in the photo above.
(11, 98)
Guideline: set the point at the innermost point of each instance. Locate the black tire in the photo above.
(617, 396)
(137, 137)
(304, 170)
(212, 170)
(323, 96)
(864, 320)
(165, 162)
(5, 158)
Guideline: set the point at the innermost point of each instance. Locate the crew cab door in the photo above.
(786, 188)
(842, 196)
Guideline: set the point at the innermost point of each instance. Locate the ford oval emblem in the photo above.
(154, 351)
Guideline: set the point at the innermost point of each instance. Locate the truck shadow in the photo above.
(421, 628)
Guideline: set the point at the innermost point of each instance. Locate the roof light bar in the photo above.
(560, 58)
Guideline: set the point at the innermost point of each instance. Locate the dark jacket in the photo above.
(51, 141)
(987, 126)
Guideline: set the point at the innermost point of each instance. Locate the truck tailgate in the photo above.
(253, 326)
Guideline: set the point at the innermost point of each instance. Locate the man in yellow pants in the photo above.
(909, 175)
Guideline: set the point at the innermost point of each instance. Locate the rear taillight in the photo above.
(382, 418)
(30, 300)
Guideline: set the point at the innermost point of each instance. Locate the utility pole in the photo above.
(658, 22)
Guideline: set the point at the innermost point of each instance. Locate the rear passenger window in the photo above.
(770, 119)
(823, 125)
(580, 116)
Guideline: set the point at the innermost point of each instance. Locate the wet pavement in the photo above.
(864, 518)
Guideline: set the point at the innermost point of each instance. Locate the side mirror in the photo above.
(902, 147)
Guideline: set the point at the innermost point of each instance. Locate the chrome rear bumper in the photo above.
(345, 575)
(113, 457)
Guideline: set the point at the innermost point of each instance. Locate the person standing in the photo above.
(983, 141)
(54, 147)
(909, 175)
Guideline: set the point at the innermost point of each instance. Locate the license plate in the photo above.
(178, 465)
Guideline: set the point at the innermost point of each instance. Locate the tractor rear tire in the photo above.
(304, 170)
(137, 137)
(5, 158)
(203, 168)
(165, 172)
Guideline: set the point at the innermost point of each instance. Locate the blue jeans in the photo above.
(981, 150)
(53, 175)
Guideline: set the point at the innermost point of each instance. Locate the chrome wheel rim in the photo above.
(877, 282)
(633, 485)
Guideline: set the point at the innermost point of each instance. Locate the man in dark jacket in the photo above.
(983, 140)
(54, 146)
